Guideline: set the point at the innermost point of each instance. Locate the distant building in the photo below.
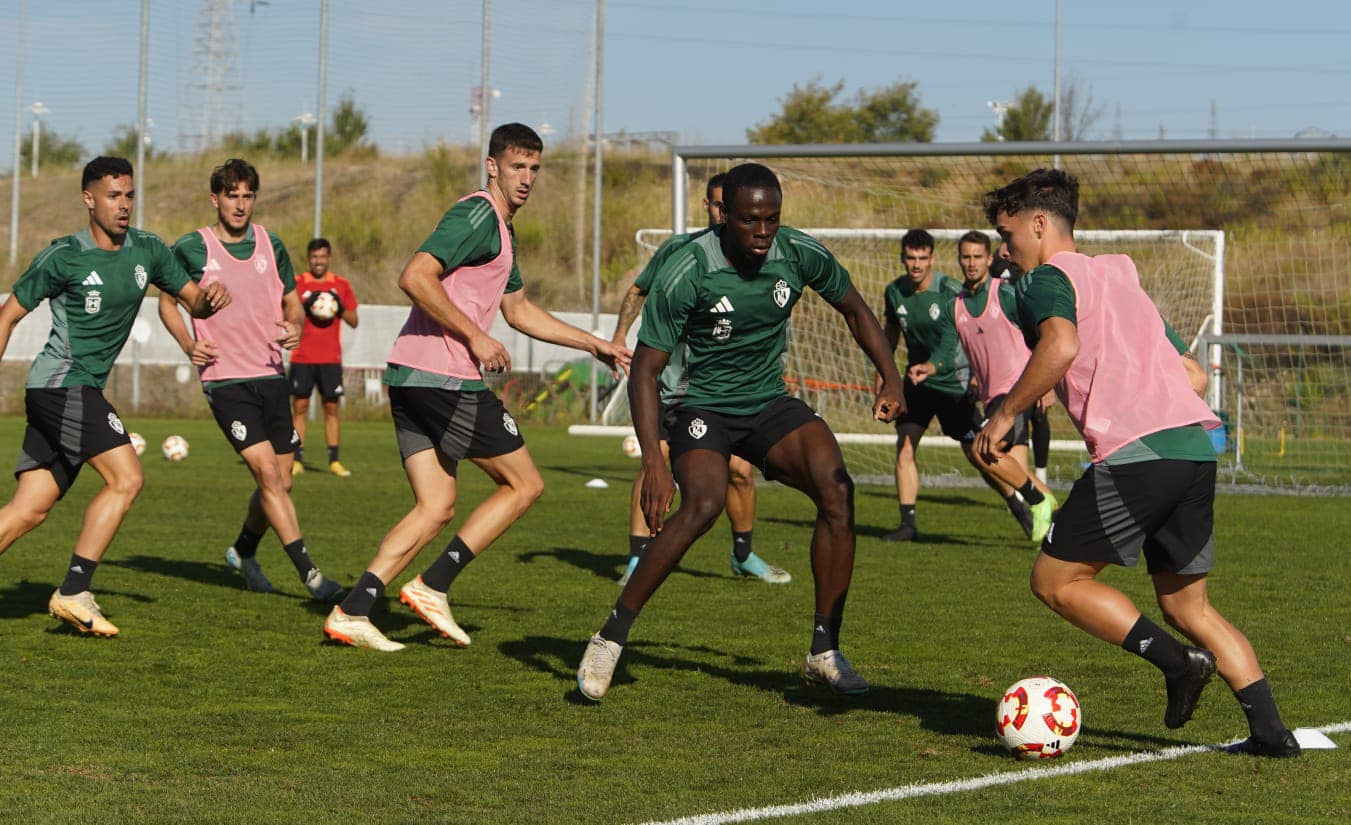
(1314, 133)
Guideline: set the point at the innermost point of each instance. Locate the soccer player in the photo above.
(94, 281)
(238, 357)
(983, 315)
(1132, 390)
(740, 474)
(318, 359)
(443, 411)
(937, 377)
(727, 295)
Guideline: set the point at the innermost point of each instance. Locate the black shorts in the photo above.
(456, 423)
(749, 436)
(251, 412)
(1016, 435)
(1163, 507)
(665, 422)
(66, 427)
(957, 415)
(328, 377)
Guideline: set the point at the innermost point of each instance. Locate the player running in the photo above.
(728, 295)
(740, 474)
(1132, 391)
(443, 411)
(238, 357)
(937, 377)
(94, 281)
(982, 315)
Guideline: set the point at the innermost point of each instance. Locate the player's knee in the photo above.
(29, 518)
(704, 508)
(127, 486)
(528, 491)
(835, 497)
(1044, 589)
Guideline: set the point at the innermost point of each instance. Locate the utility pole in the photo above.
(304, 120)
(18, 125)
(319, 122)
(599, 138)
(1055, 104)
(38, 110)
(140, 116)
(483, 94)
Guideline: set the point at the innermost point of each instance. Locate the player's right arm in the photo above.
(628, 313)
(41, 280)
(10, 315)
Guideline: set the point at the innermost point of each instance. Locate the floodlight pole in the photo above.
(1055, 101)
(483, 93)
(140, 115)
(18, 136)
(597, 198)
(319, 122)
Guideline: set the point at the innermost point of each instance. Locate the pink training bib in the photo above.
(994, 346)
(245, 332)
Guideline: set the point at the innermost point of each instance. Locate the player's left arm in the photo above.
(867, 332)
(172, 275)
(526, 316)
(1196, 374)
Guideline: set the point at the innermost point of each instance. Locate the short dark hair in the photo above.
(917, 239)
(974, 236)
(104, 167)
(748, 176)
(715, 182)
(231, 173)
(513, 136)
(319, 243)
(1050, 190)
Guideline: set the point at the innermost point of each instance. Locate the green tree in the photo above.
(813, 114)
(123, 144)
(1027, 118)
(54, 149)
(349, 128)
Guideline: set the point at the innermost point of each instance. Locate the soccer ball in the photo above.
(1038, 718)
(137, 442)
(631, 447)
(175, 448)
(324, 307)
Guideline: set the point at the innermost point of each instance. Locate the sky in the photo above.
(703, 70)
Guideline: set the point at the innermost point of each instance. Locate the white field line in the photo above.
(854, 800)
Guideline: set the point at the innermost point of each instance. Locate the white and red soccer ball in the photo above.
(631, 447)
(137, 442)
(1038, 718)
(324, 307)
(175, 448)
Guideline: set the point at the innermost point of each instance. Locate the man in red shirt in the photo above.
(318, 359)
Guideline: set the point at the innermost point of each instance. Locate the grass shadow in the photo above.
(24, 598)
(608, 566)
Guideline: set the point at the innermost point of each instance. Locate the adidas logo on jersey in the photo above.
(93, 279)
(1144, 644)
(723, 305)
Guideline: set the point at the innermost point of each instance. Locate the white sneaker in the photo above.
(321, 587)
(81, 612)
(251, 570)
(598, 667)
(833, 670)
(357, 631)
(434, 609)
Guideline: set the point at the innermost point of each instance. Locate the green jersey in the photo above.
(926, 322)
(190, 250)
(1046, 292)
(94, 295)
(735, 325)
(466, 235)
(673, 379)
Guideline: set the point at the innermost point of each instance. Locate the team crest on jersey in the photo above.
(722, 330)
(933, 311)
(140, 277)
(238, 430)
(510, 424)
(259, 265)
(782, 293)
(698, 428)
(93, 302)
(116, 423)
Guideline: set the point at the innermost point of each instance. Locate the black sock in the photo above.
(447, 566)
(1153, 644)
(247, 543)
(1030, 493)
(300, 454)
(908, 514)
(1264, 720)
(741, 545)
(79, 573)
(637, 544)
(825, 633)
(299, 556)
(617, 626)
(332, 453)
(361, 601)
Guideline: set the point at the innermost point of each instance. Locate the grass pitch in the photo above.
(220, 705)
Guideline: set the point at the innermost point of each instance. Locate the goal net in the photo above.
(1244, 245)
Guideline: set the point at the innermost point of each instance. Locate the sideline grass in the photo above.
(221, 705)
